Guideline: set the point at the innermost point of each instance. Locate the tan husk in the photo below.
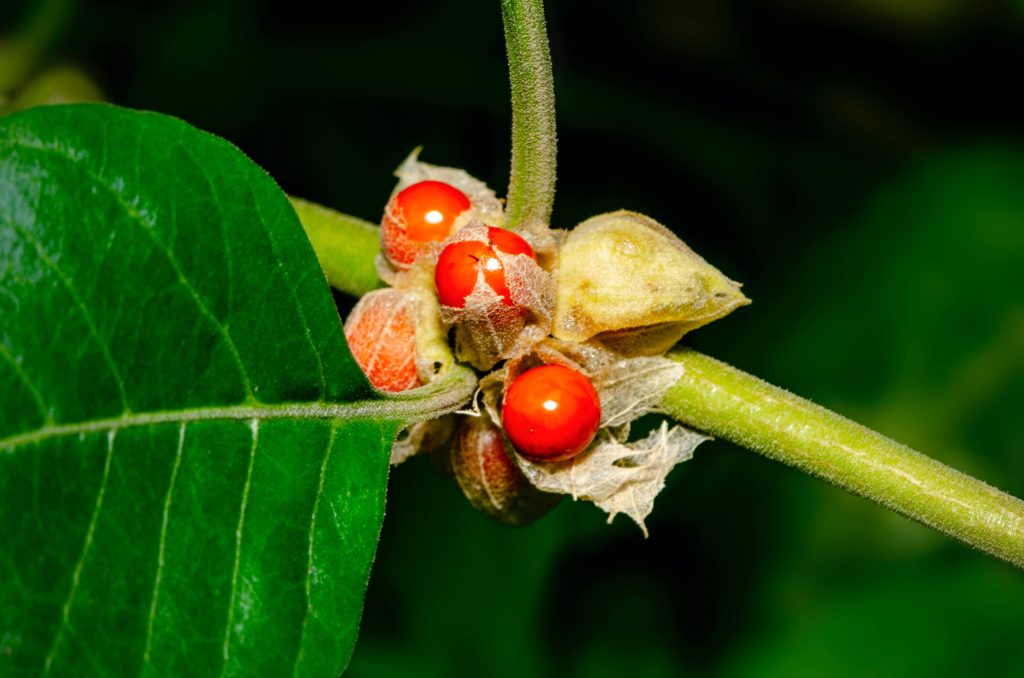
(619, 477)
(628, 386)
(380, 330)
(422, 438)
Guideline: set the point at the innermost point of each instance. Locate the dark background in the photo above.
(858, 164)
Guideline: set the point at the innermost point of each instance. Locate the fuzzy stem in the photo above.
(531, 190)
(721, 400)
(345, 246)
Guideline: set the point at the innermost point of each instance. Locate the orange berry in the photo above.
(381, 333)
(461, 262)
(551, 413)
(420, 214)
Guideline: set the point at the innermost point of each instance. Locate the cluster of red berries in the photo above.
(549, 413)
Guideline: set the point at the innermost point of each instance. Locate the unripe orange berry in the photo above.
(418, 215)
(551, 413)
(381, 333)
(461, 262)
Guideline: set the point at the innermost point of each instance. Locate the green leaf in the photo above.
(192, 467)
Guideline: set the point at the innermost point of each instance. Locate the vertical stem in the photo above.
(721, 400)
(531, 189)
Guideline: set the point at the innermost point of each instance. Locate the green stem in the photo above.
(531, 190)
(719, 399)
(345, 246)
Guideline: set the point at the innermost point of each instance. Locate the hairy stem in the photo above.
(531, 190)
(719, 399)
(345, 246)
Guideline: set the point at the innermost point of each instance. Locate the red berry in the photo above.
(551, 413)
(420, 214)
(459, 264)
(508, 242)
(381, 333)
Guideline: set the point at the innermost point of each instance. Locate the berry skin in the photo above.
(419, 215)
(551, 413)
(490, 479)
(459, 263)
(381, 333)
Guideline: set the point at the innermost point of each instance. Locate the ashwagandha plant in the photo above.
(192, 461)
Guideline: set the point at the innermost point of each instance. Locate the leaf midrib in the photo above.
(404, 409)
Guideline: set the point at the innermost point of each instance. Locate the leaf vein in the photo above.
(80, 563)
(254, 424)
(298, 306)
(90, 322)
(427, 402)
(163, 543)
(148, 228)
(309, 562)
(29, 384)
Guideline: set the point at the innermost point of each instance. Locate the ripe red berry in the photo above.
(381, 333)
(420, 214)
(460, 263)
(551, 413)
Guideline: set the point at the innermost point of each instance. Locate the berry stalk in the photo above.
(726, 402)
(531, 191)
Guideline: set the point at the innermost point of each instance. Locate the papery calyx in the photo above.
(627, 281)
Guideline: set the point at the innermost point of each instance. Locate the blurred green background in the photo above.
(858, 164)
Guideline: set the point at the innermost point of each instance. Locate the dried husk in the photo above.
(433, 357)
(628, 386)
(617, 476)
(422, 438)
